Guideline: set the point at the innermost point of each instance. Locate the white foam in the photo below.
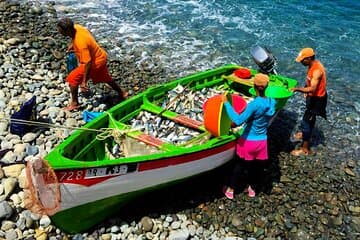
(185, 34)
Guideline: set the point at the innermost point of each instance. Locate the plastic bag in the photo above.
(27, 112)
(71, 62)
(88, 116)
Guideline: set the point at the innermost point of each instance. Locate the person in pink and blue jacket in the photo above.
(251, 148)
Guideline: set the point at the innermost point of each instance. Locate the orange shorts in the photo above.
(98, 75)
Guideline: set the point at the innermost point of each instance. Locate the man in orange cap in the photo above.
(92, 62)
(316, 97)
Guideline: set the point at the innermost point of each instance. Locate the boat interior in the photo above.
(137, 119)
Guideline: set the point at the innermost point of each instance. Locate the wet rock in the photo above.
(9, 185)
(13, 170)
(355, 209)
(9, 158)
(147, 224)
(29, 137)
(236, 221)
(349, 172)
(45, 221)
(182, 234)
(5, 210)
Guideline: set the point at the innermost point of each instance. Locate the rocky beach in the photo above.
(313, 197)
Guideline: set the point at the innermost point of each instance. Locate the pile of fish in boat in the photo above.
(180, 100)
(163, 129)
(187, 102)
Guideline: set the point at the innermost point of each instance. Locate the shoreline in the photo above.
(310, 198)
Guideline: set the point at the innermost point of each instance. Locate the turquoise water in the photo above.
(188, 36)
(193, 35)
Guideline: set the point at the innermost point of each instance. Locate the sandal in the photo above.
(228, 193)
(71, 107)
(251, 192)
(299, 152)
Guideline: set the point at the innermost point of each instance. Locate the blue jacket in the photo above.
(256, 117)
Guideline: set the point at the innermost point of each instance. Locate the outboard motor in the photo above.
(264, 59)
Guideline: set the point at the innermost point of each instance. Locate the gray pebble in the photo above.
(181, 234)
(29, 137)
(5, 210)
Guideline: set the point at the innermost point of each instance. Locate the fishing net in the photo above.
(123, 145)
(42, 195)
(132, 147)
(128, 147)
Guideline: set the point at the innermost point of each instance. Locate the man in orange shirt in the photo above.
(316, 97)
(92, 61)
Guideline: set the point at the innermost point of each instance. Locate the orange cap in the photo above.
(261, 80)
(305, 53)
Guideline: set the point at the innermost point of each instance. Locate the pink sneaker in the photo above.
(251, 192)
(228, 193)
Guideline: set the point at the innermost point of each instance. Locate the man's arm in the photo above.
(85, 58)
(86, 73)
(314, 82)
(70, 47)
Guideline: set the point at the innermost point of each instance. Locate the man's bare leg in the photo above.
(306, 147)
(74, 104)
(121, 93)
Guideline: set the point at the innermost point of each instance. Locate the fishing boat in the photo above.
(122, 154)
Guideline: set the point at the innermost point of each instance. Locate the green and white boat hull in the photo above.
(94, 186)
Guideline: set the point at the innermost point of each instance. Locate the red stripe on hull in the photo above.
(78, 176)
(149, 165)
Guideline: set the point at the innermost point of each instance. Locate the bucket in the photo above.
(216, 119)
(281, 94)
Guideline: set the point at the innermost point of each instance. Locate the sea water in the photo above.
(195, 35)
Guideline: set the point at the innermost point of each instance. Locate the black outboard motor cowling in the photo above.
(264, 59)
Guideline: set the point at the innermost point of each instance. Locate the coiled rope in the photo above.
(115, 132)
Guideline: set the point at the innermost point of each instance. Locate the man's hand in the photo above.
(70, 48)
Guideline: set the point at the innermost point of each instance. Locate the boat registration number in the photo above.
(91, 173)
(106, 171)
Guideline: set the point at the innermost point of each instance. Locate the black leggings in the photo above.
(248, 173)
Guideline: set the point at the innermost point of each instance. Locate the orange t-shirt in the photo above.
(87, 49)
(320, 91)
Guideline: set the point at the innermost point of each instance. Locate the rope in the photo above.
(104, 133)
(115, 132)
(49, 125)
